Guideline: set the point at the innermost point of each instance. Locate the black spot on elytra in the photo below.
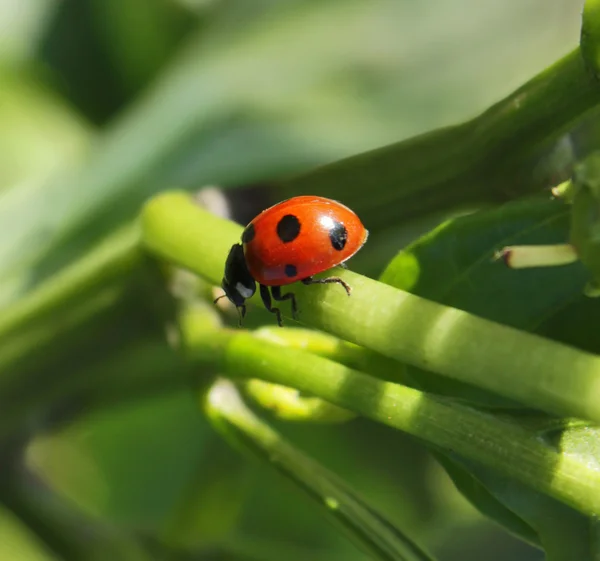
(248, 234)
(338, 236)
(291, 271)
(288, 228)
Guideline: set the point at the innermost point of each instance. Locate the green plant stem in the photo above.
(384, 368)
(487, 159)
(288, 404)
(108, 260)
(481, 437)
(527, 368)
(66, 300)
(590, 38)
(362, 524)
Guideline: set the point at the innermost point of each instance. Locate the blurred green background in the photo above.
(105, 102)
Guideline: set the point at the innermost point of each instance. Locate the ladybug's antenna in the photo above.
(241, 309)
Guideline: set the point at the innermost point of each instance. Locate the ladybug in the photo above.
(288, 242)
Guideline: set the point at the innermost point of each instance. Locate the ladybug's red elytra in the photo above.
(291, 241)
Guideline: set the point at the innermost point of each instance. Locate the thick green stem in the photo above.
(527, 368)
(382, 367)
(486, 159)
(484, 438)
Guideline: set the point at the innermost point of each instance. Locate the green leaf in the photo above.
(29, 153)
(156, 434)
(484, 500)
(455, 265)
(563, 533)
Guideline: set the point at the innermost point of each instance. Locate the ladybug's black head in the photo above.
(237, 283)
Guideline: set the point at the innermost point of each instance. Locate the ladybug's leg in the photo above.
(276, 292)
(266, 298)
(343, 265)
(329, 280)
(241, 313)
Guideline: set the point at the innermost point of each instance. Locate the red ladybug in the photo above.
(289, 242)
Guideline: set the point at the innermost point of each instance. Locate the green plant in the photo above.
(494, 371)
